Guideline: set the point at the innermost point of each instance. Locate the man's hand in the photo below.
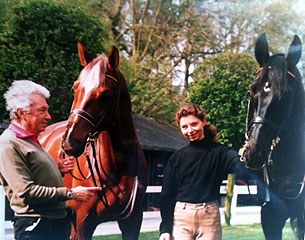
(84, 194)
(65, 165)
(165, 236)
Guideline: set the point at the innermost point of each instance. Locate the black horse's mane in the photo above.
(274, 72)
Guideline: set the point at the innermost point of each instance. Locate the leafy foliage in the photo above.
(39, 43)
(162, 40)
(220, 87)
(152, 97)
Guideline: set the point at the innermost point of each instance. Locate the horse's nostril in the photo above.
(66, 146)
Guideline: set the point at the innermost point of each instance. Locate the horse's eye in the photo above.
(267, 87)
(104, 98)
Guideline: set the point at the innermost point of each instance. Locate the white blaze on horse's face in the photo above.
(267, 87)
(96, 99)
(90, 79)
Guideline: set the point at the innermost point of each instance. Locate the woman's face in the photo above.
(192, 128)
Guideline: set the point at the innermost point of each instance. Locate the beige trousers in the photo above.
(197, 221)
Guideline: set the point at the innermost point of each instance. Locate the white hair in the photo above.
(18, 96)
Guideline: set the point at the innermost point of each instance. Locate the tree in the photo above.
(152, 97)
(164, 40)
(160, 35)
(220, 87)
(237, 24)
(40, 43)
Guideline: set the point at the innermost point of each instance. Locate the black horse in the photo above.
(275, 137)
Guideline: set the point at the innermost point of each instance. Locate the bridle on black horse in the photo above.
(275, 141)
(269, 124)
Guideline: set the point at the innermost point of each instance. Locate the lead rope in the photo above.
(131, 202)
(79, 169)
(102, 194)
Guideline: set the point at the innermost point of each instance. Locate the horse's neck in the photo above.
(123, 138)
(289, 154)
(294, 127)
(123, 142)
(123, 129)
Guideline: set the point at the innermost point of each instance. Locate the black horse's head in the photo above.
(273, 96)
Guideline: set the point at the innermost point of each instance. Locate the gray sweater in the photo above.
(30, 178)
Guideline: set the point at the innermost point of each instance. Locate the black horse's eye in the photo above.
(249, 94)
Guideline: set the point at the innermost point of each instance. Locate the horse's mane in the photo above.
(274, 71)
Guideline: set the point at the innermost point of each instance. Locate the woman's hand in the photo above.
(165, 236)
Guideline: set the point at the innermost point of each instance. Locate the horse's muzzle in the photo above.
(74, 149)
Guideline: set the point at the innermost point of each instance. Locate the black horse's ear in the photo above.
(84, 56)
(294, 52)
(114, 58)
(262, 50)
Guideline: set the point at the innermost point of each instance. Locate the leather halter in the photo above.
(268, 123)
(264, 121)
(95, 123)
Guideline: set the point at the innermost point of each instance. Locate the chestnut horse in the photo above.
(276, 137)
(100, 134)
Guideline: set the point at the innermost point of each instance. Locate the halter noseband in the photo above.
(264, 121)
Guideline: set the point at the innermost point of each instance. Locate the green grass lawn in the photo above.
(242, 232)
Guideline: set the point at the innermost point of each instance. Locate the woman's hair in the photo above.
(18, 96)
(210, 131)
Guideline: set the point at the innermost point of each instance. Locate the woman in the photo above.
(192, 179)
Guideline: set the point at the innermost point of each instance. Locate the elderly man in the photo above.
(30, 177)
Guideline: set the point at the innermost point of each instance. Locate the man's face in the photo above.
(36, 120)
(192, 128)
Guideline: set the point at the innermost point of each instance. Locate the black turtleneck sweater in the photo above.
(194, 174)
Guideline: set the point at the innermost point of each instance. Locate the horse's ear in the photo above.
(294, 52)
(261, 50)
(84, 56)
(114, 58)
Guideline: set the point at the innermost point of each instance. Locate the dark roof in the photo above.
(156, 136)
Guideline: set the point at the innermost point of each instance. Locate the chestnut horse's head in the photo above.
(96, 97)
(275, 98)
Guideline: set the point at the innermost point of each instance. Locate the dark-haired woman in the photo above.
(192, 179)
